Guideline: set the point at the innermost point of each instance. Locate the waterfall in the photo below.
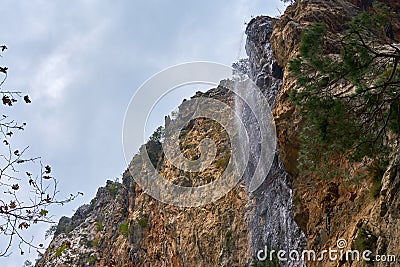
(270, 215)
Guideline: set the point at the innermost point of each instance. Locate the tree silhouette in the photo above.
(27, 186)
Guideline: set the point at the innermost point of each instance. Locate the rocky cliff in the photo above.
(341, 208)
(123, 226)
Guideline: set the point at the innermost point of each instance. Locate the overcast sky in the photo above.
(81, 62)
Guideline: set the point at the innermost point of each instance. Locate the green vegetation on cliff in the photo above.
(123, 229)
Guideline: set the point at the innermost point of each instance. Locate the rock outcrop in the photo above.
(123, 226)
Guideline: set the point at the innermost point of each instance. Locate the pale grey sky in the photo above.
(81, 62)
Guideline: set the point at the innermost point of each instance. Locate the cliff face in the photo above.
(123, 226)
(329, 210)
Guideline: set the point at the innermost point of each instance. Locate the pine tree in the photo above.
(348, 91)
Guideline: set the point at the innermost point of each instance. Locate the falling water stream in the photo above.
(270, 215)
